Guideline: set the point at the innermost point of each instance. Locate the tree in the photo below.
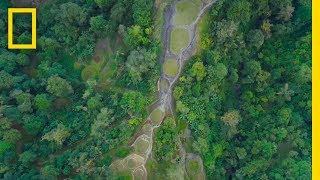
(139, 62)
(24, 38)
(49, 47)
(239, 10)
(231, 118)
(84, 47)
(241, 153)
(142, 10)
(134, 36)
(71, 14)
(49, 172)
(285, 13)
(99, 25)
(5, 146)
(303, 75)
(118, 12)
(217, 72)
(177, 93)
(27, 157)
(166, 141)
(252, 68)
(59, 86)
(42, 102)
(33, 124)
(104, 3)
(255, 38)
(198, 70)
(11, 136)
(102, 121)
(200, 145)
(58, 135)
(284, 116)
(225, 31)
(133, 102)
(7, 80)
(266, 28)
(94, 102)
(286, 92)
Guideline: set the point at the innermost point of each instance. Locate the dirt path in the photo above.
(135, 162)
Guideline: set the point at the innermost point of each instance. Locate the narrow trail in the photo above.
(135, 162)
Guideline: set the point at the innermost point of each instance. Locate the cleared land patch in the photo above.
(156, 116)
(186, 13)
(147, 128)
(170, 67)
(179, 40)
(194, 170)
(164, 84)
(141, 146)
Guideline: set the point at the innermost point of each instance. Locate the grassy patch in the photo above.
(118, 166)
(193, 167)
(131, 163)
(194, 170)
(179, 40)
(205, 40)
(198, 3)
(138, 175)
(141, 146)
(164, 84)
(146, 128)
(157, 171)
(186, 12)
(156, 116)
(170, 67)
(124, 175)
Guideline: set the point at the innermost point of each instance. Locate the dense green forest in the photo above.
(247, 95)
(67, 104)
(70, 108)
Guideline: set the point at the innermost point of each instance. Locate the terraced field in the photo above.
(179, 40)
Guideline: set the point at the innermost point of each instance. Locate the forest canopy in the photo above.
(77, 103)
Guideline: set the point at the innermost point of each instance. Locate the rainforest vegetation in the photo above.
(69, 108)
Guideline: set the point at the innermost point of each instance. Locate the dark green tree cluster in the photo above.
(54, 124)
(247, 96)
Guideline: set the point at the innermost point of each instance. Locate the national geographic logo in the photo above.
(11, 12)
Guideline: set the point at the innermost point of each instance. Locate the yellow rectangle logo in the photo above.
(11, 12)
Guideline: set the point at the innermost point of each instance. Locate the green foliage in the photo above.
(123, 152)
(133, 102)
(4, 146)
(251, 104)
(231, 118)
(134, 36)
(27, 157)
(139, 62)
(239, 10)
(198, 70)
(52, 124)
(166, 141)
(99, 25)
(142, 10)
(42, 102)
(59, 86)
(6, 80)
(94, 102)
(58, 135)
